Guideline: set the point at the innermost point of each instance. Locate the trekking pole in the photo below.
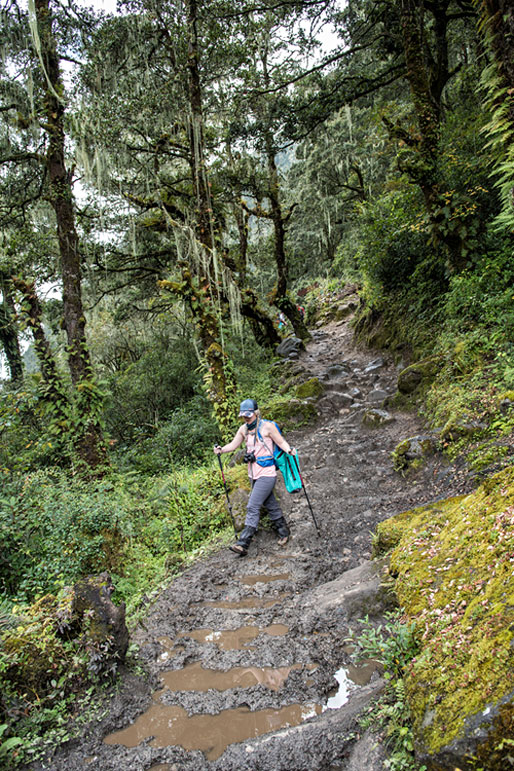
(226, 493)
(305, 491)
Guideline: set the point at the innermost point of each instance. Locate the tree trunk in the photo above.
(220, 377)
(89, 440)
(280, 298)
(262, 326)
(427, 75)
(9, 332)
(53, 388)
(500, 18)
(204, 223)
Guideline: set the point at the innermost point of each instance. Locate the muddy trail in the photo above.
(249, 661)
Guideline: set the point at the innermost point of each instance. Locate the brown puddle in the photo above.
(194, 677)
(160, 767)
(248, 602)
(234, 639)
(210, 733)
(263, 578)
(361, 675)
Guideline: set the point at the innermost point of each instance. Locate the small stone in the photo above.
(374, 365)
(377, 396)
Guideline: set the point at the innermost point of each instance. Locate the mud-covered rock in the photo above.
(374, 365)
(456, 429)
(377, 396)
(356, 593)
(239, 501)
(344, 309)
(334, 401)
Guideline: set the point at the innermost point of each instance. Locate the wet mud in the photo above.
(247, 661)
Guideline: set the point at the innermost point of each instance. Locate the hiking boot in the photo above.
(281, 528)
(243, 542)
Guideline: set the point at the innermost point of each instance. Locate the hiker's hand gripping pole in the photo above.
(226, 492)
(305, 491)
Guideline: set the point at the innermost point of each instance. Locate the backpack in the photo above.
(288, 466)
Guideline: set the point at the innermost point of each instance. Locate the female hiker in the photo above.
(260, 437)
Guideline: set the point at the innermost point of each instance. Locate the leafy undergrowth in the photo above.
(142, 530)
(393, 645)
(453, 564)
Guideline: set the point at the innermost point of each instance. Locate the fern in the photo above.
(499, 101)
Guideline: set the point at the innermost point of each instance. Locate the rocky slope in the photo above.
(242, 653)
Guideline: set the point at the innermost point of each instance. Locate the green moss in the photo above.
(400, 462)
(291, 414)
(419, 448)
(311, 388)
(418, 376)
(454, 568)
(390, 532)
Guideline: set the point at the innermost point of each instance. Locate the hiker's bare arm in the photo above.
(233, 445)
(277, 437)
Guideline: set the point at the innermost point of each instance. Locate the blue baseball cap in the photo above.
(247, 408)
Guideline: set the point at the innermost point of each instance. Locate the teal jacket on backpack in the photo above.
(287, 464)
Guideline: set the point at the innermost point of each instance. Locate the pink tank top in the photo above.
(255, 445)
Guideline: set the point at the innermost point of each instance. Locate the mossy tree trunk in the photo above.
(9, 331)
(260, 323)
(219, 378)
(53, 389)
(204, 293)
(89, 440)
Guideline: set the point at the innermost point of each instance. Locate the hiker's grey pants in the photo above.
(262, 495)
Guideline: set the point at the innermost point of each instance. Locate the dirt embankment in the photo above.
(249, 663)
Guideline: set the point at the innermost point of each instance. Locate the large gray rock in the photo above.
(334, 401)
(357, 593)
(239, 501)
(290, 347)
(377, 396)
(375, 365)
(338, 371)
(479, 739)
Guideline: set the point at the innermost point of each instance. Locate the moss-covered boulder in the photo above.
(418, 376)
(455, 429)
(312, 388)
(454, 568)
(94, 614)
(239, 501)
(291, 414)
(376, 418)
(412, 452)
(344, 309)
